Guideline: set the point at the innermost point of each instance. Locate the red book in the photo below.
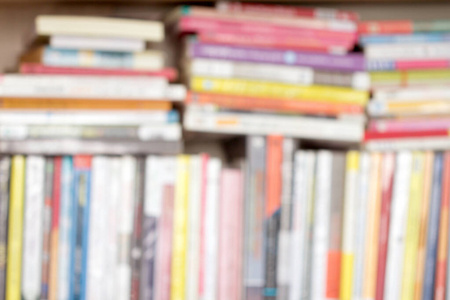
(386, 27)
(33, 68)
(441, 263)
(375, 135)
(387, 181)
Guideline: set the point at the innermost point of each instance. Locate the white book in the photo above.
(429, 143)
(84, 87)
(397, 227)
(321, 225)
(411, 51)
(98, 229)
(97, 43)
(193, 228)
(411, 94)
(212, 229)
(33, 227)
(361, 222)
(125, 217)
(264, 124)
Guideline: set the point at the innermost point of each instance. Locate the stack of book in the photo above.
(409, 65)
(90, 85)
(262, 69)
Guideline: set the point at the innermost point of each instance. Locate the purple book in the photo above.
(349, 62)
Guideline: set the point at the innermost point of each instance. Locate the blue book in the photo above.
(433, 228)
(405, 38)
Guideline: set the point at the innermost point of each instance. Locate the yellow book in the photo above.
(421, 256)
(349, 226)
(261, 89)
(373, 226)
(180, 214)
(15, 229)
(413, 228)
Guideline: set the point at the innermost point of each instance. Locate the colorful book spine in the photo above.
(178, 286)
(413, 228)
(230, 234)
(412, 64)
(372, 228)
(441, 260)
(409, 125)
(54, 236)
(33, 227)
(262, 89)
(422, 37)
(15, 229)
(349, 226)
(254, 258)
(433, 228)
(387, 181)
(409, 78)
(274, 161)
(5, 167)
(349, 62)
(403, 27)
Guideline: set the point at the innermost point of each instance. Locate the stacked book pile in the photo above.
(409, 65)
(262, 69)
(90, 85)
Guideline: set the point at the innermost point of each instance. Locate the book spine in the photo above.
(96, 43)
(424, 213)
(321, 225)
(422, 37)
(404, 94)
(254, 256)
(334, 251)
(212, 229)
(317, 61)
(284, 236)
(413, 229)
(178, 286)
(15, 229)
(408, 52)
(372, 228)
(361, 225)
(230, 219)
(54, 235)
(432, 234)
(385, 27)
(349, 226)
(136, 240)
(411, 64)
(203, 216)
(387, 177)
(408, 125)
(5, 177)
(275, 90)
(441, 260)
(32, 225)
(408, 108)
(274, 160)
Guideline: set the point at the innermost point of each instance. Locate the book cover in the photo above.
(15, 228)
(274, 159)
(33, 227)
(5, 177)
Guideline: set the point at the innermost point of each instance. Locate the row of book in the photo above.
(286, 224)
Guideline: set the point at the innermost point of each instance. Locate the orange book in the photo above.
(428, 178)
(82, 104)
(441, 264)
(280, 105)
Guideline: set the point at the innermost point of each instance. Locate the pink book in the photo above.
(201, 277)
(33, 68)
(230, 235)
(409, 125)
(422, 64)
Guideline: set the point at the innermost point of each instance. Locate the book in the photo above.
(438, 50)
(433, 227)
(230, 235)
(272, 213)
(99, 26)
(254, 242)
(411, 93)
(409, 78)
(436, 144)
(5, 166)
(277, 73)
(15, 229)
(113, 44)
(178, 281)
(33, 227)
(205, 159)
(54, 234)
(411, 64)
(264, 124)
(402, 26)
(387, 182)
(370, 135)
(39, 69)
(233, 102)
(150, 60)
(422, 37)
(349, 225)
(47, 226)
(408, 108)
(408, 125)
(349, 62)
